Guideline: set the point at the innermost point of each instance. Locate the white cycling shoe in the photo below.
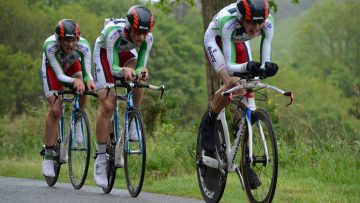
(48, 168)
(78, 133)
(133, 132)
(100, 175)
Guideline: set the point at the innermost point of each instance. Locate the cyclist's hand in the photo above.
(91, 85)
(128, 73)
(254, 68)
(79, 85)
(144, 74)
(235, 81)
(271, 69)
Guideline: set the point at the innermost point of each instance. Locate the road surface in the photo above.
(34, 191)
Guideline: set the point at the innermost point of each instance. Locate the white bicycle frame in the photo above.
(231, 151)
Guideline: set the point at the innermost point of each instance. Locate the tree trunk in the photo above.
(209, 9)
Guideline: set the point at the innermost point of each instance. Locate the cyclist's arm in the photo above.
(267, 33)
(84, 50)
(50, 50)
(144, 52)
(229, 49)
(112, 40)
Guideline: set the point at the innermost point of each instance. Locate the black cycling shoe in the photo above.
(254, 180)
(207, 134)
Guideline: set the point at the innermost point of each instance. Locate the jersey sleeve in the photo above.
(50, 49)
(112, 40)
(84, 50)
(144, 53)
(267, 33)
(229, 50)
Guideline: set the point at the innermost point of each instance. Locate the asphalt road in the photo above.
(27, 190)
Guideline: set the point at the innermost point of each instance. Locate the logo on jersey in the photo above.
(210, 51)
(232, 25)
(83, 48)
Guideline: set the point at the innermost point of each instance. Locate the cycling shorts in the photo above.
(50, 81)
(102, 69)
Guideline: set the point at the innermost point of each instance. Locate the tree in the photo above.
(209, 9)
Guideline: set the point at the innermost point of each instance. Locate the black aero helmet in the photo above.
(67, 29)
(253, 11)
(140, 19)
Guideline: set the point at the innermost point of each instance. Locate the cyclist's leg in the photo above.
(51, 84)
(102, 75)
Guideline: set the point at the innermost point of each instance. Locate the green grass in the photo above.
(314, 166)
(294, 185)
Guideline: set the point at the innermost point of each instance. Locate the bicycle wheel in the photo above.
(266, 170)
(212, 181)
(79, 153)
(135, 155)
(111, 169)
(57, 165)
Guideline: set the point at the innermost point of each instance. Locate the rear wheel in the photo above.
(212, 181)
(79, 153)
(265, 168)
(135, 155)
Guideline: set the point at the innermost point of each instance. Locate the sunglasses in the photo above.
(139, 32)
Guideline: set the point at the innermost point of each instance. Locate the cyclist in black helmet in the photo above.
(227, 46)
(66, 61)
(121, 51)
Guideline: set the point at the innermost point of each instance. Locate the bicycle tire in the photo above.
(111, 168)
(79, 153)
(57, 165)
(211, 181)
(266, 171)
(135, 156)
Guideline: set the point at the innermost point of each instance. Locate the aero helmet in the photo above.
(67, 29)
(140, 19)
(253, 11)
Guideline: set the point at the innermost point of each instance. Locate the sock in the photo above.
(49, 152)
(101, 148)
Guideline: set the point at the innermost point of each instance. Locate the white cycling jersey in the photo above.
(115, 40)
(59, 61)
(226, 24)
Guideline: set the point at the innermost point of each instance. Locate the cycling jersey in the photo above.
(226, 24)
(115, 40)
(60, 62)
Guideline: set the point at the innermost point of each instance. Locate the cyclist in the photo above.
(66, 61)
(227, 46)
(115, 56)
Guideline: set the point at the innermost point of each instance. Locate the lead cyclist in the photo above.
(227, 47)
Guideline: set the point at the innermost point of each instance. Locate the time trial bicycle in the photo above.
(254, 137)
(121, 151)
(66, 148)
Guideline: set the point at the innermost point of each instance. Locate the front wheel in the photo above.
(212, 181)
(79, 149)
(265, 167)
(135, 154)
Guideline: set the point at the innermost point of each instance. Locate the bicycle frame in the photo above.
(249, 106)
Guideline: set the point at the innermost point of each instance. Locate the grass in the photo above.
(303, 184)
(312, 167)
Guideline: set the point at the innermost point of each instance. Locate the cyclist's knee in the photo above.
(55, 112)
(107, 108)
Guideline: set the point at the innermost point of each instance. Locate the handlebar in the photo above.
(133, 85)
(73, 92)
(256, 83)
